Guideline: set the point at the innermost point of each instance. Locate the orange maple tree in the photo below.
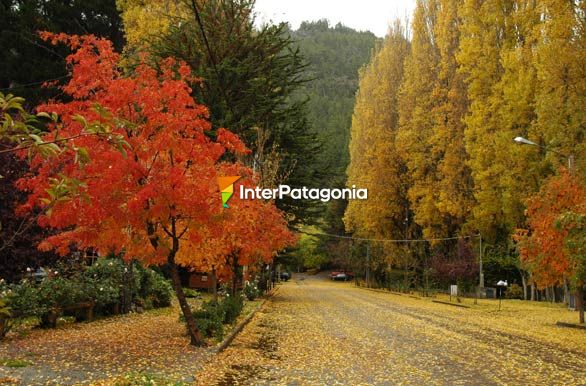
(147, 184)
(245, 220)
(543, 247)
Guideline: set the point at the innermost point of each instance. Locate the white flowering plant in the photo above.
(251, 290)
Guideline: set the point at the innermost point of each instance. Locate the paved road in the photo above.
(314, 331)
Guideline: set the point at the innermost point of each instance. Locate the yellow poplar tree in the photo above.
(374, 161)
(494, 56)
(453, 188)
(416, 123)
(522, 167)
(560, 62)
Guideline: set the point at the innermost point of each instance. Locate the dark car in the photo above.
(285, 276)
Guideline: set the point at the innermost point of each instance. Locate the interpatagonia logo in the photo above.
(304, 193)
(226, 185)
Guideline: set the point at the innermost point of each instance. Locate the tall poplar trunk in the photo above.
(194, 334)
(524, 282)
(566, 292)
(553, 297)
(580, 302)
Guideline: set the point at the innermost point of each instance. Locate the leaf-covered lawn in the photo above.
(153, 343)
(319, 332)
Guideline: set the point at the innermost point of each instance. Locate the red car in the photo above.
(341, 276)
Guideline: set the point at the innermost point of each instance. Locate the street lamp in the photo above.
(525, 141)
(501, 287)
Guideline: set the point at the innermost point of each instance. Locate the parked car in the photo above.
(341, 276)
(285, 276)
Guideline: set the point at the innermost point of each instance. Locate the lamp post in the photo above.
(480, 293)
(501, 288)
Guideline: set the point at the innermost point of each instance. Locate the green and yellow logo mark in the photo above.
(226, 185)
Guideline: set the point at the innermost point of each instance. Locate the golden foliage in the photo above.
(147, 19)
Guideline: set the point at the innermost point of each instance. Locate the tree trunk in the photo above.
(128, 287)
(194, 334)
(234, 274)
(214, 285)
(532, 292)
(524, 282)
(273, 275)
(566, 292)
(553, 298)
(580, 302)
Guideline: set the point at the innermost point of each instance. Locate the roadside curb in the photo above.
(450, 304)
(240, 326)
(571, 325)
(389, 292)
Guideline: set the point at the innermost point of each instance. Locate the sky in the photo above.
(371, 15)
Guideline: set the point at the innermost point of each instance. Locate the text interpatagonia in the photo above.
(303, 193)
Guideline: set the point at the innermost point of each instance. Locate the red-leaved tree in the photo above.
(543, 247)
(462, 266)
(250, 232)
(146, 183)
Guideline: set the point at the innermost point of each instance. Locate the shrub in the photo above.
(191, 293)
(232, 306)
(107, 278)
(104, 293)
(23, 299)
(5, 322)
(209, 319)
(515, 291)
(103, 281)
(212, 316)
(155, 289)
(55, 293)
(251, 290)
(59, 292)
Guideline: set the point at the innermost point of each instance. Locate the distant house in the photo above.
(203, 281)
(198, 280)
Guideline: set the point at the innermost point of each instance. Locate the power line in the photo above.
(391, 240)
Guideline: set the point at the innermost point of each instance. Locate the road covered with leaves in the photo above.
(314, 331)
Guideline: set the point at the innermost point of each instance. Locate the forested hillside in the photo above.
(334, 55)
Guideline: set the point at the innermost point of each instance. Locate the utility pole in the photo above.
(480, 272)
(579, 292)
